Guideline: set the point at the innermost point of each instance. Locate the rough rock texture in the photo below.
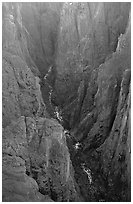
(35, 149)
(17, 186)
(36, 161)
(50, 159)
(91, 88)
(116, 150)
(20, 86)
(41, 24)
(104, 129)
(40, 21)
(88, 34)
(78, 55)
(110, 75)
(98, 119)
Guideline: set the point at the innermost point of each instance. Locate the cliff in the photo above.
(66, 101)
(36, 161)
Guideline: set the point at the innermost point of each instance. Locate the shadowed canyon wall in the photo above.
(36, 160)
(66, 101)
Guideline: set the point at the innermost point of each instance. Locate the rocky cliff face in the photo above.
(36, 161)
(41, 22)
(66, 65)
(97, 123)
(21, 93)
(88, 34)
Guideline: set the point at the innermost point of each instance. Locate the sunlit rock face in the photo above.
(36, 161)
(91, 118)
(41, 24)
(20, 85)
(66, 64)
(88, 33)
(116, 149)
(35, 149)
(50, 160)
(77, 106)
(17, 186)
(104, 130)
(110, 76)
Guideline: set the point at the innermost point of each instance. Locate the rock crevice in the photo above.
(66, 101)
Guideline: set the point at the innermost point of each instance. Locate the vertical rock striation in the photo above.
(20, 87)
(70, 61)
(36, 161)
(88, 34)
(41, 20)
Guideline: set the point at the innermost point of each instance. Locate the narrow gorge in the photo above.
(66, 102)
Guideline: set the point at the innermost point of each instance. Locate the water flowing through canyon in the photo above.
(66, 102)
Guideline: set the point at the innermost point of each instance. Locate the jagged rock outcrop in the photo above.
(36, 161)
(110, 162)
(41, 21)
(116, 151)
(104, 131)
(50, 159)
(20, 86)
(77, 109)
(41, 24)
(88, 34)
(17, 186)
(110, 75)
(69, 61)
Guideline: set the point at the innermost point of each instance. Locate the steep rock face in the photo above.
(110, 162)
(94, 101)
(14, 35)
(20, 89)
(110, 75)
(116, 150)
(50, 159)
(104, 131)
(95, 87)
(36, 161)
(41, 24)
(35, 148)
(40, 21)
(16, 184)
(88, 33)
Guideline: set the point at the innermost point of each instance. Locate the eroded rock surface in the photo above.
(50, 160)
(104, 131)
(36, 161)
(17, 186)
(20, 86)
(41, 22)
(69, 61)
(88, 34)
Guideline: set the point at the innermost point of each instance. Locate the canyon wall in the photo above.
(66, 63)
(88, 34)
(36, 162)
(41, 22)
